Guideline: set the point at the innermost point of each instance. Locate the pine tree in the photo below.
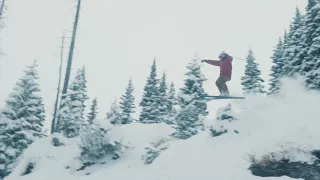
(311, 62)
(293, 52)
(71, 113)
(21, 119)
(251, 81)
(172, 102)
(193, 87)
(283, 58)
(276, 69)
(291, 46)
(189, 119)
(127, 104)
(164, 113)
(67, 124)
(151, 99)
(78, 94)
(311, 4)
(93, 111)
(114, 114)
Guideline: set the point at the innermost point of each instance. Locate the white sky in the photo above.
(118, 39)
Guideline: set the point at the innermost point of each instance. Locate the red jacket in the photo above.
(225, 65)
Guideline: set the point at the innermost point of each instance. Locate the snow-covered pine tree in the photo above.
(151, 98)
(193, 109)
(164, 113)
(294, 53)
(193, 88)
(92, 115)
(67, 124)
(127, 104)
(21, 119)
(251, 81)
(78, 94)
(33, 110)
(172, 103)
(114, 114)
(96, 144)
(284, 59)
(276, 69)
(71, 113)
(312, 40)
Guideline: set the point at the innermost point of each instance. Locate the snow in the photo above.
(287, 125)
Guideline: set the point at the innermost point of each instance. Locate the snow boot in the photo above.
(225, 94)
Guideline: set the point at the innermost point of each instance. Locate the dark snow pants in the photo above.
(221, 84)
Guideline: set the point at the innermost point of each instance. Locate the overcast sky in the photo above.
(118, 39)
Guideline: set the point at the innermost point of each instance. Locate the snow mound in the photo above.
(63, 160)
(285, 126)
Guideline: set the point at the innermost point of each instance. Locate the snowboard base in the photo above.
(224, 97)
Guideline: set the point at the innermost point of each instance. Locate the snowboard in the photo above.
(224, 97)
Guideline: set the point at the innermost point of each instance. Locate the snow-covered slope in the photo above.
(286, 126)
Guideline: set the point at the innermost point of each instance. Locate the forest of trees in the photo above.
(22, 118)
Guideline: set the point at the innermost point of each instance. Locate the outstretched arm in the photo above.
(212, 62)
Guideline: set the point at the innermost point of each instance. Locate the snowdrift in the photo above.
(265, 130)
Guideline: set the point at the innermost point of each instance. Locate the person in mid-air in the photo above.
(225, 64)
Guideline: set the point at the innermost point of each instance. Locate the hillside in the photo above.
(269, 133)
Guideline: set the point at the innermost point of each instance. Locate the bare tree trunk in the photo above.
(53, 123)
(68, 71)
(69, 65)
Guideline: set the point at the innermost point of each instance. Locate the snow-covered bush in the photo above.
(30, 167)
(217, 132)
(154, 150)
(188, 122)
(95, 144)
(57, 140)
(226, 113)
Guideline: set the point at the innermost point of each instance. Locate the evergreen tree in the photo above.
(71, 112)
(251, 81)
(290, 44)
(193, 88)
(21, 119)
(78, 94)
(293, 52)
(283, 58)
(311, 62)
(67, 124)
(127, 104)
(151, 99)
(172, 101)
(93, 111)
(311, 4)
(164, 113)
(114, 114)
(193, 109)
(276, 69)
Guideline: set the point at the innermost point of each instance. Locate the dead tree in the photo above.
(74, 32)
(56, 105)
(70, 57)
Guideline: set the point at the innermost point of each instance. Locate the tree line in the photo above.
(23, 116)
(296, 54)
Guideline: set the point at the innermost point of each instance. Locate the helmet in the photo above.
(223, 55)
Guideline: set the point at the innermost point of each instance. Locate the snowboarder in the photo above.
(225, 64)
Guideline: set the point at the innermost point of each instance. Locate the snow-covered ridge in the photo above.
(286, 125)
